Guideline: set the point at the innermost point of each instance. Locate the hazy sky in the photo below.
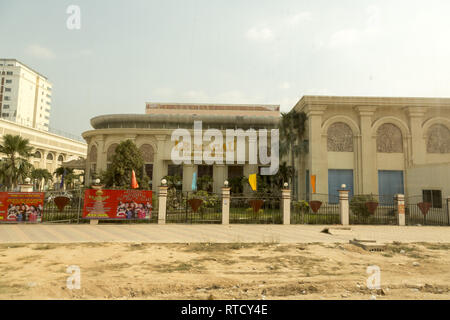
(130, 52)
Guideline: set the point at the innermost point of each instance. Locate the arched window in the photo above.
(37, 154)
(50, 156)
(110, 152)
(340, 138)
(438, 139)
(60, 158)
(147, 153)
(389, 139)
(93, 154)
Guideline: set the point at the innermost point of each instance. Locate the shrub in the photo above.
(358, 205)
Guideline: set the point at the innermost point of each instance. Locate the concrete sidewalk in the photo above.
(177, 233)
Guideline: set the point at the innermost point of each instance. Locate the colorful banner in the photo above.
(117, 204)
(21, 206)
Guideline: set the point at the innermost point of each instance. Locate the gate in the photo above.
(193, 207)
(70, 210)
(419, 212)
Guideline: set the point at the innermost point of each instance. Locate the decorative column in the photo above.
(317, 155)
(286, 204)
(188, 172)
(400, 208)
(225, 204)
(159, 167)
(367, 175)
(343, 206)
(162, 202)
(418, 144)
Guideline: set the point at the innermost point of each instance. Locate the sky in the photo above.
(127, 53)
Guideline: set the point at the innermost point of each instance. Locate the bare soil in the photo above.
(223, 271)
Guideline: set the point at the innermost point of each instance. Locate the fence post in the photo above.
(225, 204)
(448, 211)
(27, 186)
(286, 205)
(399, 201)
(96, 186)
(343, 206)
(162, 204)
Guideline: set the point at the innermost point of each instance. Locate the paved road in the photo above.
(176, 233)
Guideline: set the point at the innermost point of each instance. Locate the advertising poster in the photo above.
(117, 204)
(21, 206)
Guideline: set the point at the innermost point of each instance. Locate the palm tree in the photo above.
(39, 175)
(292, 138)
(16, 166)
(68, 173)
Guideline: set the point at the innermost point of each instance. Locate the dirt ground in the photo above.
(223, 271)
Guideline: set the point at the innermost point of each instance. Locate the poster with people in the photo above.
(21, 206)
(117, 204)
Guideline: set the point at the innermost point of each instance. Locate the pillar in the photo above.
(418, 144)
(400, 208)
(219, 175)
(95, 187)
(286, 205)
(225, 205)
(367, 176)
(159, 166)
(317, 155)
(188, 172)
(162, 204)
(344, 207)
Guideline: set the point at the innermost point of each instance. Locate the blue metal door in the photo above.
(337, 177)
(390, 183)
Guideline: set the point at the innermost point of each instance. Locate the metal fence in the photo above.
(256, 210)
(193, 207)
(373, 209)
(419, 212)
(314, 212)
(70, 213)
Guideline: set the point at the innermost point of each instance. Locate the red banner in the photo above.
(21, 206)
(117, 204)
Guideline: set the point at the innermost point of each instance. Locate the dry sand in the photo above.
(223, 271)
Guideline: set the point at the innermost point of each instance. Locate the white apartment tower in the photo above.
(25, 95)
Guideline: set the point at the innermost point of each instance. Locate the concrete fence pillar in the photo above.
(96, 186)
(344, 208)
(286, 205)
(399, 201)
(162, 204)
(448, 211)
(225, 205)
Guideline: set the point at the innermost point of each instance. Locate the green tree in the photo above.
(16, 166)
(38, 175)
(126, 158)
(69, 176)
(292, 138)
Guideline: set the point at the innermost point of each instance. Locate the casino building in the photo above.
(152, 133)
(374, 145)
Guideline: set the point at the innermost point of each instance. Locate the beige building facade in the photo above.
(152, 133)
(50, 150)
(375, 145)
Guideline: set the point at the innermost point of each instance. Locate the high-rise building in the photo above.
(25, 95)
